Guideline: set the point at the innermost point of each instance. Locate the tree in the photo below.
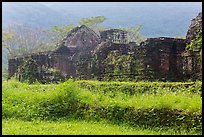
(92, 22)
(22, 39)
(95, 23)
(8, 42)
(134, 34)
(59, 33)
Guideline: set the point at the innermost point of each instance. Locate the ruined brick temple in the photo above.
(84, 54)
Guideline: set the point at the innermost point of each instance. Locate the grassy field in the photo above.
(79, 127)
(93, 107)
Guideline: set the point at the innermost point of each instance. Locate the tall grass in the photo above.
(165, 105)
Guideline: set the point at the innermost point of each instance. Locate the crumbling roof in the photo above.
(79, 28)
(166, 39)
(81, 35)
(114, 30)
(196, 25)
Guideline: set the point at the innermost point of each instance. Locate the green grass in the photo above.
(78, 127)
(173, 106)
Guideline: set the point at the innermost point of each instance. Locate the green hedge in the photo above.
(141, 87)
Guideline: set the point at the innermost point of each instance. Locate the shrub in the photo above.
(29, 71)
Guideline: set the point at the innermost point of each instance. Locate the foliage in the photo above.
(32, 72)
(129, 67)
(92, 21)
(134, 88)
(151, 105)
(196, 43)
(10, 43)
(4, 73)
(61, 32)
(134, 34)
(194, 49)
(118, 66)
(179, 37)
(22, 39)
(51, 76)
(29, 71)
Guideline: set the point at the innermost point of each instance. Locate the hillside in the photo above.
(34, 14)
(158, 19)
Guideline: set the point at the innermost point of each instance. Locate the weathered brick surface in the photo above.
(196, 25)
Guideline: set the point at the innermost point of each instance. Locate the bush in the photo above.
(51, 76)
(29, 71)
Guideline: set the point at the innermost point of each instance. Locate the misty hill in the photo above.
(34, 14)
(157, 18)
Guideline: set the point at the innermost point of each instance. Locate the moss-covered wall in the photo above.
(160, 59)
